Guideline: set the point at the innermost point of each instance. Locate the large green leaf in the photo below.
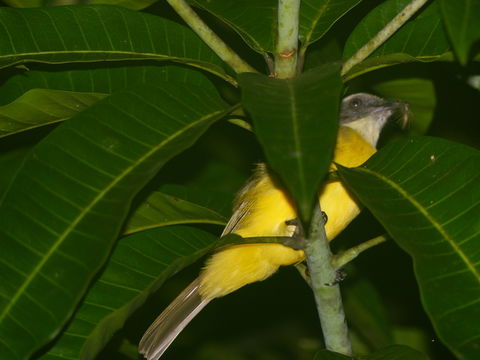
(422, 38)
(296, 125)
(317, 17)
(138, 266)
(98, 33)
(160, 209)
(41, 107)
(98, 79)
(426, 192)
(131, 4)
(62, 214)
(256, 20)
(463, 27)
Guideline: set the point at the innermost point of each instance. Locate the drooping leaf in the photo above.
(463, 27)
(160, 209)
(62, 214)
(78, 34)
(419, 94)
(422, 38)
(296, 125)
(99, 79)
(426, 193)
(137, 268)
(41, 107)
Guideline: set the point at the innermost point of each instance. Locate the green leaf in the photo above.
(463, 27)
(76, 34)
(131, 4)
(296, 125)
(138, 267)
(426, 193)
(160, 209)
(256, 20)
(41, 107)
(419, 94)
(98, 79)
(219, 202)
(421, 39)
(317, 17)
(64, 211)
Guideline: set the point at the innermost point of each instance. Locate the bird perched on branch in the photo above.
(263, 208)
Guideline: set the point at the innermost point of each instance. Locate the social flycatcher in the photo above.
(263, 208)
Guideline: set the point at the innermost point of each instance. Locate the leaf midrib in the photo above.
(428, 216)
(94, 201)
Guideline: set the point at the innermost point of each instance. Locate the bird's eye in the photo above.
(355, 103)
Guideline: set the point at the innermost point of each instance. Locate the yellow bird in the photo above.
(263, 208)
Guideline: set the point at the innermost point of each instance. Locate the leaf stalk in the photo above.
(383, 35)
(210, 37)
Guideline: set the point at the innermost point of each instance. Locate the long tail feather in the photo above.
(171, 322)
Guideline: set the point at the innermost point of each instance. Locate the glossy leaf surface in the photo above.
(138, 266)
(41, 107)
(161, 209)
(421, 39)
(131, 4)
(256, 20)
(426, 193)
(296, 125)
(99, 79)
(62, 214)
(78, 34)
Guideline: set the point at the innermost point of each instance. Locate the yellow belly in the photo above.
(270, 208)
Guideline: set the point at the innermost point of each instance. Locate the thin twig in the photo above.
(287, 40)
(325, 288)
(383, 35)
(345, 257)
(209, 37)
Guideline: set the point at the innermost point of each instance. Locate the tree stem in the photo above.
(383, 35)
(209, 37)
(327, 292)
(287, 40)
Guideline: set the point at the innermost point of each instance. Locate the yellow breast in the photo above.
(269, 207)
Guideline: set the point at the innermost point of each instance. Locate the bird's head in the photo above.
(367, 114)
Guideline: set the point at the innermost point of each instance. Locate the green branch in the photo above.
(383, 35)
(325, 288)
(209, 37)
(345, 257)
(287, 40)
